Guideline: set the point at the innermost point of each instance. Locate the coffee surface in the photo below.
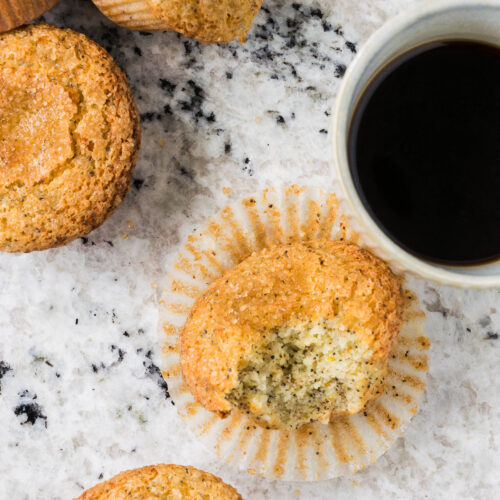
(424, 151)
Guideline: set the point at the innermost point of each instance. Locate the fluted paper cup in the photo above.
(315, 451)
(132, 14)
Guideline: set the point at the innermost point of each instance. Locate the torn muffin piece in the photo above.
(294, 334)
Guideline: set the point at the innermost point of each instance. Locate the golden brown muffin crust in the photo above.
(317, 280)
(208, 21)
(172, 482)
(69, 137)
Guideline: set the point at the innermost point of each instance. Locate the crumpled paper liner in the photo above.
(315, 451)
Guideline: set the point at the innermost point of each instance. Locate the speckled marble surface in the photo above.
(81, 392)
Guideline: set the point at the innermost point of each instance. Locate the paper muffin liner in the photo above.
(132, 14)
(13, 13)
(315, 451)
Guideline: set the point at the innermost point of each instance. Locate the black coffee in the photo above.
(424, 151)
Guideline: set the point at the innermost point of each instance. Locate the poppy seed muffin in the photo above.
(69, 137)
(165, 482)
(207, 21)
(293, 334)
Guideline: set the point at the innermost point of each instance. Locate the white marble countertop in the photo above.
(81, 392)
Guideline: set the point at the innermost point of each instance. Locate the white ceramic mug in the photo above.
(428, 22)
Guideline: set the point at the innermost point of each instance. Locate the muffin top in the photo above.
(69, 137)
(172, 482)
(293, 318)
(208, 22)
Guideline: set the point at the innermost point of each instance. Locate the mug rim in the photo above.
(340, 164)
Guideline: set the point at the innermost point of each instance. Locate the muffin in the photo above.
(293, 334)
(162, 481)
(69, 137)
(204, 20)
(312, 297)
